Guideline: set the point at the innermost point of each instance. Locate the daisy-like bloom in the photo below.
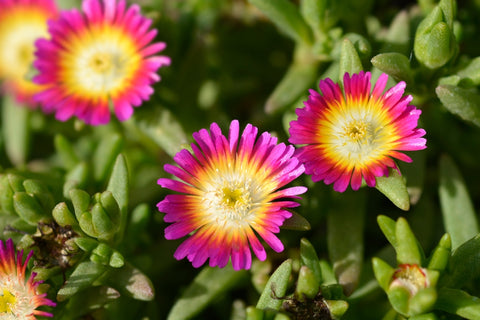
(100, 58)
(21, 23)
(19, 298)
(230, 193)
(355, 133)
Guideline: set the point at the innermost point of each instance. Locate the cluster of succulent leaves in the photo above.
(83, 198)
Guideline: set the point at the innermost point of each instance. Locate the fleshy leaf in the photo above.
(459, 216)
(162, 128)
(16, 130)
(434, 43)
(118, 185)
(458, 302)
(345, 224)
(299, 77)
(395, 189)
(349, 59)
(461, 102)
(441, 254)
(92, 299)
(307, 283)
(309, 258)
(407, 248)
(66, 152)
(337, 308)
(296, 222)
(131, 282)
(388, 226)
(207, 285)
(383, 272)
(286, 16)
(394, 64)
(276, 287)
(464, 264)
(28, 208)
(81, 278)
(105, 155)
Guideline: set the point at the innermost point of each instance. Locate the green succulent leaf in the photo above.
(458, 302)
(459, 216)
(81, 278)
(434, 43)
(394, 188)
(309, 258)
(345, 224)
(464, 264)
(131, 282)
(349, 60)
(105, 155)
(286, 16)
(383, 272)
(207, 285)
(118, 185)
(28, 208)
(388, 226)
(407, 248)
(394, 64)
(16, 130)
(307, 283)
(296, 222)
(464, 103)
(66, 152)
(276, 287)
(441, 254)
(300, 76)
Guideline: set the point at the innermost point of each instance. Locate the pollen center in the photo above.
(231, 198)
(101, 63)
(233, 201)
(358, 137)
(357, 130)
(7, 300)
(411, 277)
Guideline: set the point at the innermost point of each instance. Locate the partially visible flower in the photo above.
(21, 23)
(410, 276)
(97, 59)
(230, 194)
(356, 133)
(19, 297)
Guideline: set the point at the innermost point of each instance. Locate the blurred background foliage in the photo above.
(253, 61)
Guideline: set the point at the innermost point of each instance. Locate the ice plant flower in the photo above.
(410, 276)
(97, 58)
(19, 298)
(230, 193)
(357, 133)
(21, 23)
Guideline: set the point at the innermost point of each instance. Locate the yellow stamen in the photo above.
(7, 300)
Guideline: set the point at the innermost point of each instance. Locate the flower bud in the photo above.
(434, 42)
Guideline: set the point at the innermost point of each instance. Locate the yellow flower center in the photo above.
(101, 63)
(356, 130)
(237, 200)
(18, 32)
(7, 300)
(231, 198)
(411, 277)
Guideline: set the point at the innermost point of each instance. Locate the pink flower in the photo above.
(21, 23)
(355, 134)
(19, 297)
(97, 59)
(230, 193)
